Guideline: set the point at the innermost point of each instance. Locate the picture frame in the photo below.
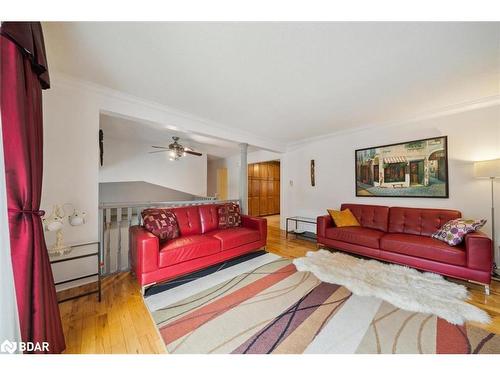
(413, 169)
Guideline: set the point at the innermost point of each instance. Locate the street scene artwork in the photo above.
(411, 169)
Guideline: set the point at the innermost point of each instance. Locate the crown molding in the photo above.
(210, 128)
(488, 101)
(217, 130)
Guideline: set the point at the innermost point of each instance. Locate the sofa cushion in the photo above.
(423, 247)
(234, 237)
(161, 222)
(369, 216)
(208, 217)
(421, 221)
(356, 235)
(343, 218)
(454, 231)
(229, 215)
(187, 248)
(188, 219)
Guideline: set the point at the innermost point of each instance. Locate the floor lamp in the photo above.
(490, 169)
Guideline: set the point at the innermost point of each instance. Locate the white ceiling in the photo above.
(155, 135)
(286, 81)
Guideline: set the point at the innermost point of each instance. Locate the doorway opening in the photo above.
(221, 183)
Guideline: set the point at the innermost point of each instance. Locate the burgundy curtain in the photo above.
(23, 75)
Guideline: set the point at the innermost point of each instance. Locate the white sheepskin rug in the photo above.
(401, 286)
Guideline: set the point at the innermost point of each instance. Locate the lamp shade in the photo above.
(487, 169)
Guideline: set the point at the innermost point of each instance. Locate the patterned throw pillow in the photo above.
(229, 215)
(454, 231)
(161, 222)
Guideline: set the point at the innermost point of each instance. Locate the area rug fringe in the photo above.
(401, 286)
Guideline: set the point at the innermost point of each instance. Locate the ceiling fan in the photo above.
(176, 150)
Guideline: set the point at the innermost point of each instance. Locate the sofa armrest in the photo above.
(256, 223)
(323, 222)
(479, 251)
(144, 250)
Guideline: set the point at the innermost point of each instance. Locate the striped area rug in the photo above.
(263, 305)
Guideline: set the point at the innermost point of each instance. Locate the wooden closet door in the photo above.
(253, 196)
(270, 197)
(264, 188)
(263, 197)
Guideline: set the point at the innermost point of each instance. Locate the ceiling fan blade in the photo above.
(166, 148)
(154, 152)
(192, 152)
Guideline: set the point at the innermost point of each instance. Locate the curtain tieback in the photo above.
(28, 212)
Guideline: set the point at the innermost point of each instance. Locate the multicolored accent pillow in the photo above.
(229, 215)
(161, 222)
(454, 231)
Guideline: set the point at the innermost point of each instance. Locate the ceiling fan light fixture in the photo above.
(175, 150)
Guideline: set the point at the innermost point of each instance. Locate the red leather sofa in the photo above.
(201, 244)
(403, 235)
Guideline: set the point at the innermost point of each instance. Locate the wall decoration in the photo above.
(101, 146)
(410, 169)
(313, 177)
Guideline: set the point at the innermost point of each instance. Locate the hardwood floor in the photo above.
(121, 323)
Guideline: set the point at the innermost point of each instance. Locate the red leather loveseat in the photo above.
(201, 244)
(403, 235)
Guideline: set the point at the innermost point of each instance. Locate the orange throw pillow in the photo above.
(344, 218)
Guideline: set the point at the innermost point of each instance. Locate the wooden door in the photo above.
(264, 188)
(222, 183)
(263, 197)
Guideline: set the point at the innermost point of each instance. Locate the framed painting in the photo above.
(417, 169)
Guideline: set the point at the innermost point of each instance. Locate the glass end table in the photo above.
(308, 235)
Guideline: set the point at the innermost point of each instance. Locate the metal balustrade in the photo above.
(114, 222)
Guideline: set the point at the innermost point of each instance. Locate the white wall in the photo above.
(472, 135)
(70, 168)
(130, 161)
